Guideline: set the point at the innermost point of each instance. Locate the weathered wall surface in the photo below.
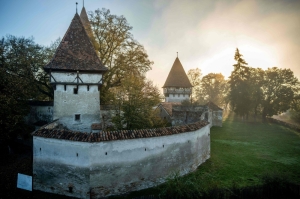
(71, 77)
(116, 167)
(58, 164)
(177, 97)
(67, 104)
(217, 118)
(41, 113)
(187, 114)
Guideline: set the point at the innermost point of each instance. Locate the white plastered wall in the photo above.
(116, 167)
(85, 103)
(176, 98)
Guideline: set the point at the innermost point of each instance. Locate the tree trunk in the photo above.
(264, 115)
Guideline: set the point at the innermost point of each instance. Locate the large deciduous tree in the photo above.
(278, 91)
(213, 88)
(256, 82)
(134, 103)
(194, 76)
(21, 78)
(118, 50)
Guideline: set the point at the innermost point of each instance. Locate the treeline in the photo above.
(249, 91)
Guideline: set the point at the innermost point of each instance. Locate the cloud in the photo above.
(206, 33)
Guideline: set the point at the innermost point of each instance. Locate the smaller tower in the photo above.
(177, 86)
(76, 74)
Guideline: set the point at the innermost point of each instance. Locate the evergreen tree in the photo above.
(239, 94)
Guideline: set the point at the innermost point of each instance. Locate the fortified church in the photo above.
(74, 156)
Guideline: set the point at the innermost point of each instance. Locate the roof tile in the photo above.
(76, 52)
(116, 135)
(177, 76)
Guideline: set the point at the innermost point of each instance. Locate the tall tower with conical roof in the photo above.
(177, 86)
(76, 74)
(86, 23)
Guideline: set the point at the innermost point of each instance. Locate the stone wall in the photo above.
(41, 113)
(187, 114)
(100, 169)
(217, 117)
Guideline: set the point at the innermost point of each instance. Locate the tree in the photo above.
(117, 50)
(256, 93)
(213, 88)
(134, 103)
(21, 78)
(278, 91)
(194, 76)
(295, 108)
(239, 94)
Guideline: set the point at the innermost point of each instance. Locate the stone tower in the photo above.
(76, 75)
(177, 86)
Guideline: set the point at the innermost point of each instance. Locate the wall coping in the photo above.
(115, 135)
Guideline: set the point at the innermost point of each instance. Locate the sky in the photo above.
(205, 33)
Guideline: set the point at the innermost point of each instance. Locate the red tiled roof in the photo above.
(116, 135)
(168, 106)
(76, 52)
(177, 76)
(86, 23)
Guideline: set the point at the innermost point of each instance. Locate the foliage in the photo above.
(239, 93)
(194, 76)
(22, 78)
(256, 93)
(134, 103)
(295, 105)
(117, 49)
(277, 91)
(213, 88)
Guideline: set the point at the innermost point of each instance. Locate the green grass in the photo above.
(242, 154)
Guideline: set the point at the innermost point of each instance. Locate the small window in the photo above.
(77, 117)
(65, 87)
(88, 87)
(75, 90)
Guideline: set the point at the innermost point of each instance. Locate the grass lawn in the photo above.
(242, 154)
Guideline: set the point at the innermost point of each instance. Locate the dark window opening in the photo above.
(77, 117)
(65, 87)
(88, 87)
(54, 87)
(75, 90)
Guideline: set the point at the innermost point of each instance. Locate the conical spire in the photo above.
(76, 52)
(177, 76)
(86, 23)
